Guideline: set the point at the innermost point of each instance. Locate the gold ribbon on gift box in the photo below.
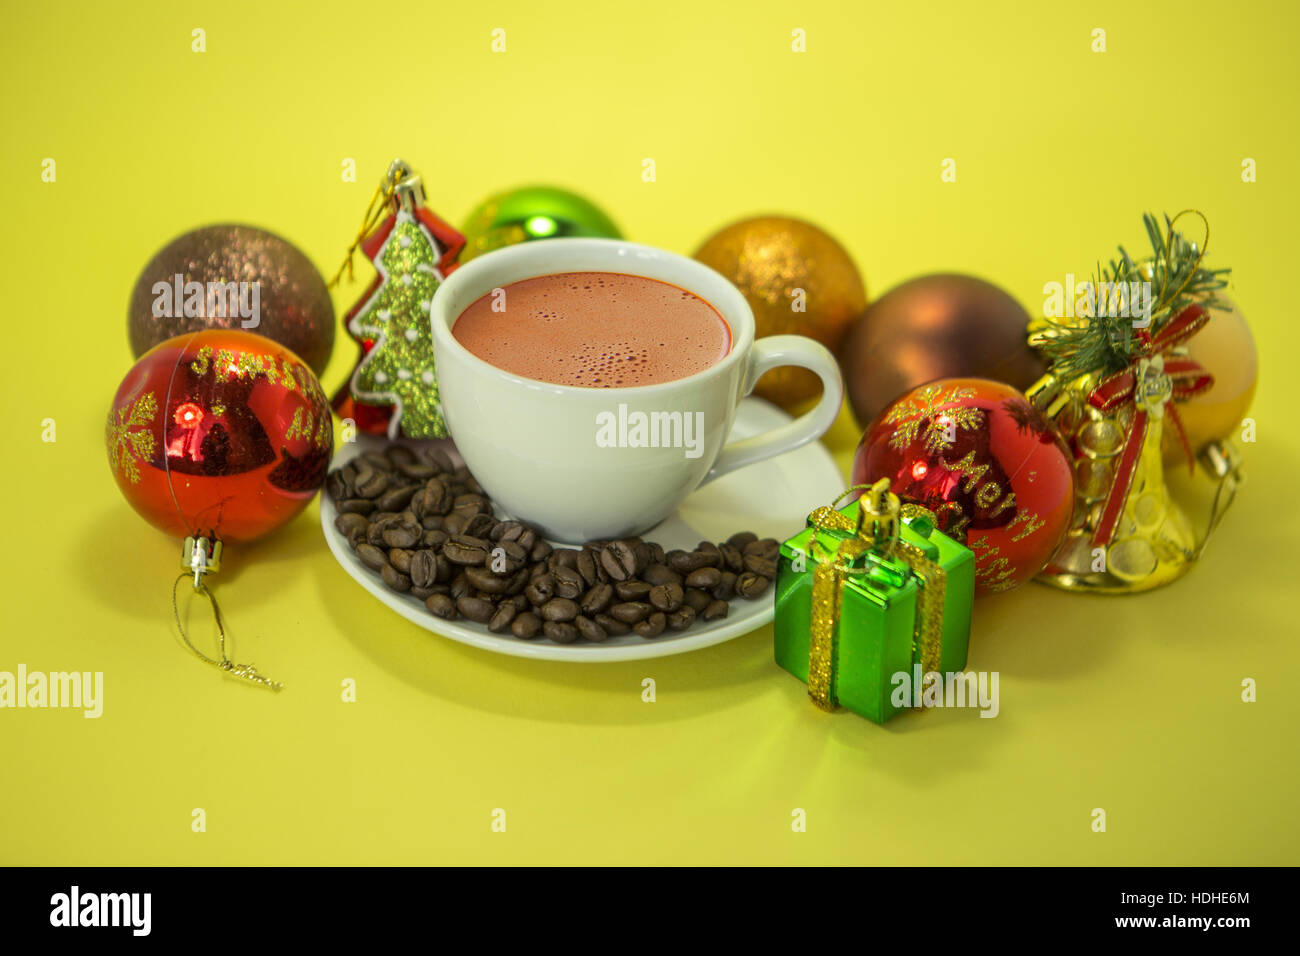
(876, 530)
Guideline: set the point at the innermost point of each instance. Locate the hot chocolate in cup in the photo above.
(586, 455)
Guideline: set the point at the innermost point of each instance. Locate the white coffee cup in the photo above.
(541, 450)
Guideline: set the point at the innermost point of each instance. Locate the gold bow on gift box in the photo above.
(875, 534)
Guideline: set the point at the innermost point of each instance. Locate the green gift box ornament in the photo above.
(867, 593)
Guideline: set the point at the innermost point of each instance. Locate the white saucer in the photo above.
(771, 498)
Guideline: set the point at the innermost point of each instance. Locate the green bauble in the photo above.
(533, 212)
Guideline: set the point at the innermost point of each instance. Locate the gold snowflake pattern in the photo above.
(940, 411)
(130, 439)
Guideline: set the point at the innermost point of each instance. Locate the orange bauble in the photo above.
(1226, 349)
(798, 280)
(219, 433)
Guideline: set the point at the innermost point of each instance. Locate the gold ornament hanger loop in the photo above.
(203, 556)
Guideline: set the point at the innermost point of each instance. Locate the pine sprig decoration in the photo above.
(1107, 340)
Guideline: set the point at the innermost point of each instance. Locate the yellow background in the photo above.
(1131, 705)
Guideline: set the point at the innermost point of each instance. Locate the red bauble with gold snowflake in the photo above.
(219, 433)
(985, 461)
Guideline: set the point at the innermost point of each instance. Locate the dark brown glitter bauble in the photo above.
(290, 304)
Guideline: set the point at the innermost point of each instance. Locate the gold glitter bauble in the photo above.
(797, 279)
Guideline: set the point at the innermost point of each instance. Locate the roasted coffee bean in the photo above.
(645, 555)
(710, 555)
(732, 559)
(568, 583)
(528, 540)
(652, 626)
(336, 486)
(399, 454)
(417, 469)
(440, 605)
(657, 573)
(716, 610)
(682, 618)
(476, 609)
(559, 609)
(402, 534)
(684, 562)
(502, 617)
(465, 549)
(517, 581)
(356, 506)
(425, 593)
(667, 597)
(541, 589)
(612, 625)
(589, 629)
(376, 528)
(431, 523)
(394, 578)
(396, 499)
(479, 526)
(374, 484)
(698, 600)
(460, 586)
(541, 549)
(435, 500)
(439, 459)
(454, 523)
(629, 612)
(704, 578)
(560, 632)
(434, 538)
(505, 558)
(763, 548)
(520, 602)
(632, 590)
(597, 598)
(750, 585)
(725, 589)
(508, 531)
(741, 538)
(657, 555)
(526, 626)
(563, 558)
(400, 558)
(423, 568)
(372, 557)
(445, 572)
(618, 558)
(471, 504)
(485, 581)
(759, 564)
(346, 523)
(355, 537)
(586, 566)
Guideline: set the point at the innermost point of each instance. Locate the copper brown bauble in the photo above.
(936, 326)
(798, 280)
(1226, 349)
(290, 303)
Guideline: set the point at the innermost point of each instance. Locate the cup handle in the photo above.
(773, 352)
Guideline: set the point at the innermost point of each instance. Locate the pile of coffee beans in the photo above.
(427, 529)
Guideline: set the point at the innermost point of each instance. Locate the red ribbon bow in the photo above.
(1179, 378)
